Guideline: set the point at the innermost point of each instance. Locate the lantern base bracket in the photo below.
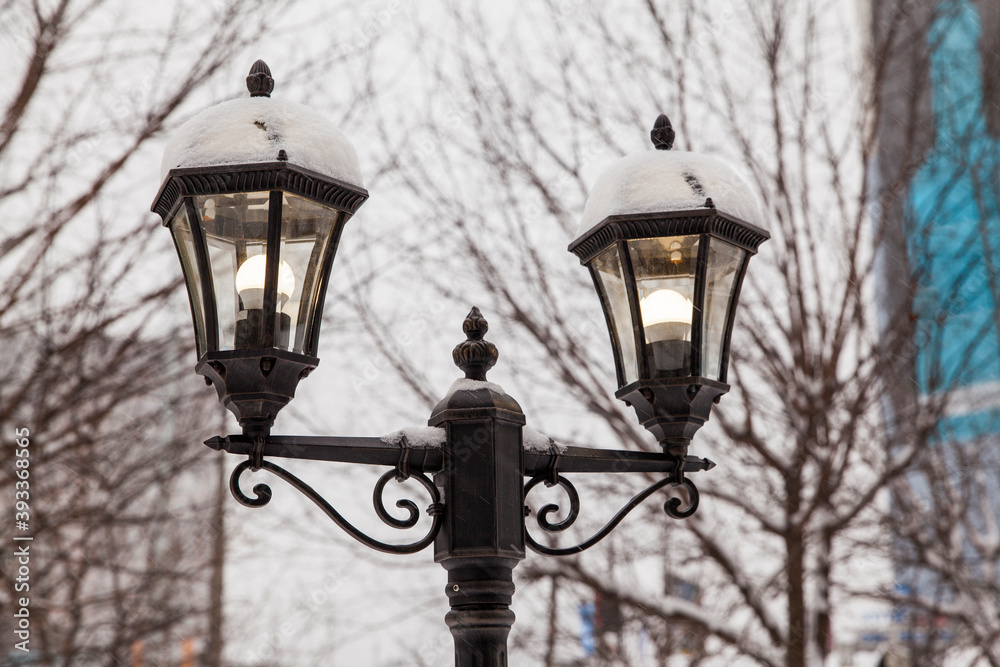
(254, 384)
(673, 409)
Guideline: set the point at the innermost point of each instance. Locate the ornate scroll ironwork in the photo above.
(262, 493)
(671, 507)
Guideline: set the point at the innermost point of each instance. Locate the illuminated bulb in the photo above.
(665, 306)
(250, 282)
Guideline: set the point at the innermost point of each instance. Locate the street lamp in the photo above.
(256, 193)
(667, 236)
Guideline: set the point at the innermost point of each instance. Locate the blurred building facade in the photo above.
(935, 192)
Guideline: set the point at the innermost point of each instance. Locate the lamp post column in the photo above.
(482, 533)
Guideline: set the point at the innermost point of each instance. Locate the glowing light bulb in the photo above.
(250, 282)
(666, 323)
(665, 306)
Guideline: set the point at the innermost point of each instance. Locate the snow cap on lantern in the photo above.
(669, 180)
(258, 129)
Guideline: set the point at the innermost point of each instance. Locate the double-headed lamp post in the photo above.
(256, 193)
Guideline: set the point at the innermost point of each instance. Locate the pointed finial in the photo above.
(662, 134)
(260, 83)
(475, 356)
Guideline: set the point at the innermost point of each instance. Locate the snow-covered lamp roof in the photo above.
(256, 129)
(667, 180)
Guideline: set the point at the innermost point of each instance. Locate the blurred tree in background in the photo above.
(128, 538)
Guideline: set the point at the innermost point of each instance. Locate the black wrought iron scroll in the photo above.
(262, 493)
(672, 507)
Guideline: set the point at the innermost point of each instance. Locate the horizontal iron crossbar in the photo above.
(377, 451)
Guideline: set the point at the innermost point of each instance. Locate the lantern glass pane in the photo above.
(724, 263)
(235, 227)
(607, 270)
(180, 228)
(307, 236)
(665, 271)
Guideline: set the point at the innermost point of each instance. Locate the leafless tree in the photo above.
(127, 530)
(524, 110)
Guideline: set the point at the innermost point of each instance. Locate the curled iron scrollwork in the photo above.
(263, 494)
(408, 505)
(672, 507)
(261, 491)
(545, 511)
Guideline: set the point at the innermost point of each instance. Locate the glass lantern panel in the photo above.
(724, 262)
(180, 228)
(307, 232)
(665, 271)
(235, 227)
(607, 269)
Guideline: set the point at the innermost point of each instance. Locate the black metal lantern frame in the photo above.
(257, 375)
(479, 466)
(672, 406)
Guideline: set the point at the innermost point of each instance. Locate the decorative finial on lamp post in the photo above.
(662, 134)
(259, 82)
(475, 356)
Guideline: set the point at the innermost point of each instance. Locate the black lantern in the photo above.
(667, 237)
(256, 193)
